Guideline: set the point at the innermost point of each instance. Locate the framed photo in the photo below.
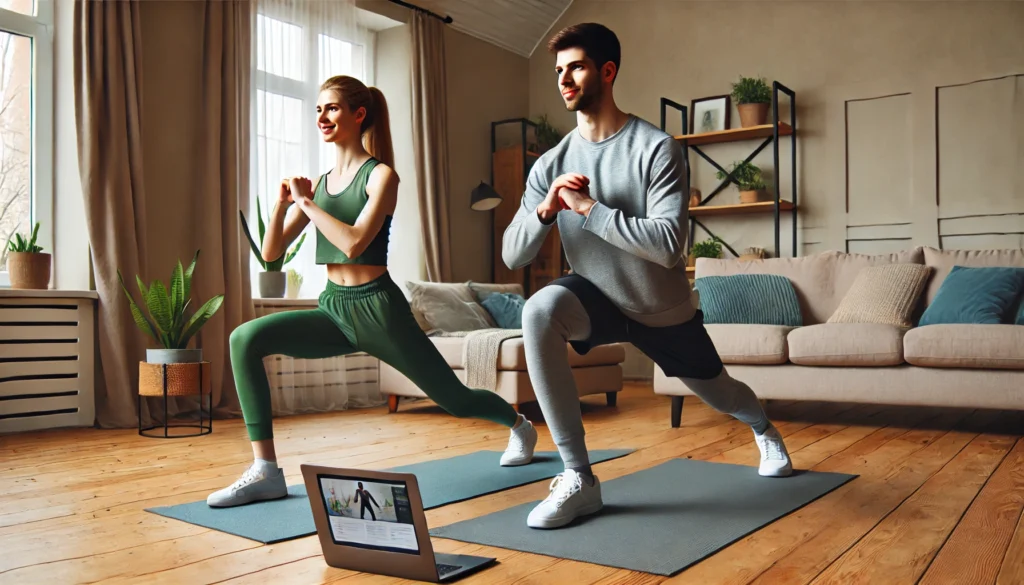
(710, 114)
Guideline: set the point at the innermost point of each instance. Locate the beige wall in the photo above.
(844, 60)
(485, 84)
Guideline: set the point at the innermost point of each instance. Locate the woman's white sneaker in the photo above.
(256, 484)
(521, 443)
(569, 497)
(775, 460)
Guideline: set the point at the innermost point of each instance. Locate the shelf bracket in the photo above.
(729, 178)
(712, 234)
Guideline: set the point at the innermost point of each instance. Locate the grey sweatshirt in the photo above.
(631, 244)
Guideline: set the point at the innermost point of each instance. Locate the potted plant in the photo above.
(709, 248)
(548, 136)
(167, 322)
(294, 283)
(752, 96)
(748, 179)
(273, 281)
(27, 264)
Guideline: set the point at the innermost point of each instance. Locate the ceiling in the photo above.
(519, 26)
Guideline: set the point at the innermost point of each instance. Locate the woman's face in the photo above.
(336, 122)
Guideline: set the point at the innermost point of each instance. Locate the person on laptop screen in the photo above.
(366, 497)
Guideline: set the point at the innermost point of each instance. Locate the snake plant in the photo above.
(273, 265)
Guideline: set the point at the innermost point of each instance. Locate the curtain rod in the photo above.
(444, 19)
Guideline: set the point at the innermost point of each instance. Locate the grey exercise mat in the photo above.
(659, 520)
(441, 481)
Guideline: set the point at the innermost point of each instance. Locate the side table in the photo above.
(175, 381)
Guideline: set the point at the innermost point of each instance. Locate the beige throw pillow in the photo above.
(448, 306)
(885, 294)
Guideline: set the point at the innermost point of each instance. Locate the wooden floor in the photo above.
(938, 500)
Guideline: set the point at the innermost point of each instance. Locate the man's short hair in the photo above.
(597, 41)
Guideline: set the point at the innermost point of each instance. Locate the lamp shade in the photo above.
(484, 198)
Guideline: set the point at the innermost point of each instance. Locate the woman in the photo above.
(361, 309)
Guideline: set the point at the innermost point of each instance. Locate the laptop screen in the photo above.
(369, 514)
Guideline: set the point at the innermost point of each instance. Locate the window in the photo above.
(295, 53)
(26, 126)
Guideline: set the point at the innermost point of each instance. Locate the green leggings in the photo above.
(373, 318)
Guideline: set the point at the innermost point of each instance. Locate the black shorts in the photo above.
(683, 350)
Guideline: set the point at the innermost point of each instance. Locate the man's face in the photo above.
(579, 80)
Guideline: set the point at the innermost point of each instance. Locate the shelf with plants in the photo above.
(759, 121)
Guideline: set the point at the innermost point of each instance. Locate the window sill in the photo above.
(48, 293)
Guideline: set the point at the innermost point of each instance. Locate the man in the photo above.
(616, 187)
(365, 498)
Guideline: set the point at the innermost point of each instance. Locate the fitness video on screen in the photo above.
(369, 514)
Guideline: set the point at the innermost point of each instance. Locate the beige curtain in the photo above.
(108, 108)
(430, 141)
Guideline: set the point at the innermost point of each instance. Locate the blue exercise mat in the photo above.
(659, 520)
(441, 481)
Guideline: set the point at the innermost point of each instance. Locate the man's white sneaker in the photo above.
(257, 483)
(774, 457)
(521, 443)
(569, 498)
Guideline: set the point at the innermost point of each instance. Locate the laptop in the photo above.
(373, 522)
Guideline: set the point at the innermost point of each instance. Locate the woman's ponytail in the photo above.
(377, 138)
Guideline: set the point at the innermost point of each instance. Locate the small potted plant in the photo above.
(28, 265)
(294, 283)
(752, 96)
(548, 136)
(709, 248)
(748, 179)
(167, 321)
(273, 282)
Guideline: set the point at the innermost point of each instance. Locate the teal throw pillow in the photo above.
(506, 309)
(751, 299)
(979, 295)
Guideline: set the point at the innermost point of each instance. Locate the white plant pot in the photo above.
(273, 284)
(174, 356)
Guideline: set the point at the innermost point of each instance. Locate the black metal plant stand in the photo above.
(166, 426)
(772, 139)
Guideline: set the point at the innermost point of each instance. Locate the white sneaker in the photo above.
(569, 498)
(774, 457)
(257, 483)
(521, 444)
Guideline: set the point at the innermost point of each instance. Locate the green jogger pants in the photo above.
(374, 318)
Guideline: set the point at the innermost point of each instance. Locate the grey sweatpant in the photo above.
(553, 316)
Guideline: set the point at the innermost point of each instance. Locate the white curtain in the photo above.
(297, 44)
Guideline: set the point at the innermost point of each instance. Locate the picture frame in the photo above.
(710, 114)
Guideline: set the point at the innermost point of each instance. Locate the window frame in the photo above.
(39, 29)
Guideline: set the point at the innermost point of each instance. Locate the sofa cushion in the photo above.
(750, 344)
(512, 354)
(966, 346)
(886, 294)
(482, 290)
(847, 344)
(753, 299)
(506, 309)
(448, 306)
(820, 280)
(980, 295)
(943, 261)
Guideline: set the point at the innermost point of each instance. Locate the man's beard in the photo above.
(585, 98)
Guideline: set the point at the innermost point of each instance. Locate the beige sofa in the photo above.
(975, 366)
(455, 307)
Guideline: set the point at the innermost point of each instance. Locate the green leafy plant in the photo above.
(709, 248)
(294, 281)
(273, 265)
(18, 243)
(167, 322)
(547, 135)
(751, 90)
(747, 175)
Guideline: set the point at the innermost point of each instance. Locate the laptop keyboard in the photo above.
(443, 569)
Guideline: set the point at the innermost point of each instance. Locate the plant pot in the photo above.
(691, 261)
(749, 196)
(753, 114)
(29, 270)
(273, 284)
(174, 356)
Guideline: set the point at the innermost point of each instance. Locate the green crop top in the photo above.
(346, 207)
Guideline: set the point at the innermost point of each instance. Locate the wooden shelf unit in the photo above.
(741, 208)
(735, 134)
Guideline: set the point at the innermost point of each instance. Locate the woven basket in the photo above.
(182, 379)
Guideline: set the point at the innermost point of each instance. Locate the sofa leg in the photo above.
(677, 411)
(392, 403)
(611, 397)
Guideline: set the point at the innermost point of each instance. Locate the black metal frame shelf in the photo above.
(777, 128)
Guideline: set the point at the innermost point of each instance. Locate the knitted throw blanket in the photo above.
(480, 354)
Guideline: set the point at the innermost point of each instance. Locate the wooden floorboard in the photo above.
(938, 497)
